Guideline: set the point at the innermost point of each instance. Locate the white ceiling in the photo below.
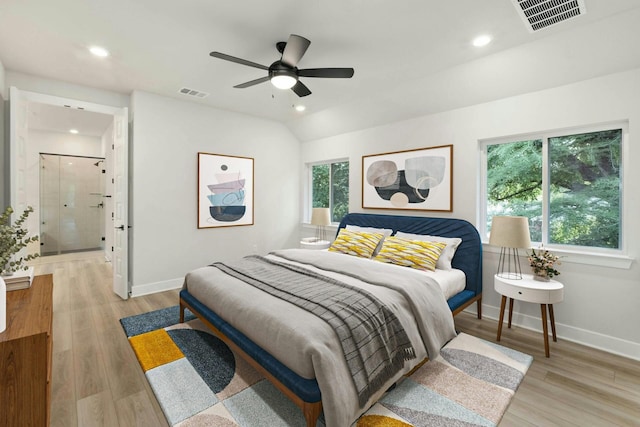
(46, 117)
(411, 57)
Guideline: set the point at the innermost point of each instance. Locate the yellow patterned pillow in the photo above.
(410, 253)
(356, 243)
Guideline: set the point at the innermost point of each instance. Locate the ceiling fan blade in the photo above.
(294, 50)
(238, 60)
(300, 89)
(252, 82)
(332, 73)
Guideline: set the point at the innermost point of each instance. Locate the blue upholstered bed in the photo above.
(306, 392)
(468, 257)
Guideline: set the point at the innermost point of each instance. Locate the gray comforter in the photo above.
(306, 343)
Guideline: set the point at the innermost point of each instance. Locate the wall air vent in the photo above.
(193, 92)
(539, 14)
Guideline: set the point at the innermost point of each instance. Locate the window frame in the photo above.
(309, 185)
(587, 251)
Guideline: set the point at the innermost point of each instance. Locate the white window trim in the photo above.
(307, 188)
(615, 258)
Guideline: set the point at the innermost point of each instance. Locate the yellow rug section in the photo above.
(155, 348)
(380, 421)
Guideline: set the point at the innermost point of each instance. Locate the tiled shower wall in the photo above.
(71, 204)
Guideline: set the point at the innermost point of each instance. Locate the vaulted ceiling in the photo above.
(411, 57)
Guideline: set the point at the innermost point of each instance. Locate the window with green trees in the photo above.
(330, 188)
(569, 185)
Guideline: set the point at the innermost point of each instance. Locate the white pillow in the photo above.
(386, 232)
(444, 262)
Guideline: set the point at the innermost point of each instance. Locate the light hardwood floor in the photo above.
(97, 380)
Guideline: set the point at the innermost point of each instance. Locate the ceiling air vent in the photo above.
(193, 92)
(539, 14)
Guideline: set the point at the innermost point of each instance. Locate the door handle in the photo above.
(120, 228)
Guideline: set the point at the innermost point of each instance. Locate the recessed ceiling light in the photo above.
(74, 131)
(482, 40)
(99, 51)
(300, 108)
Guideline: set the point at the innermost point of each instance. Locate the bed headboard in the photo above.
(468, 256)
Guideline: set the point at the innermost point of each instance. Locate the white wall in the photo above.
(167, 135)
(65, 90)
(601, 303)
(3, 88)
(4, 139)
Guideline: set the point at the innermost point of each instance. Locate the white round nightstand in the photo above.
(313, 243)
(529, 290)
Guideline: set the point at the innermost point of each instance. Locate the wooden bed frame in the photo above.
(305, 393)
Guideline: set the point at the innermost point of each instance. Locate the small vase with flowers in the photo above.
(543, 264)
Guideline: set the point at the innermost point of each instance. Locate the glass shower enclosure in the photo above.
(72, 215)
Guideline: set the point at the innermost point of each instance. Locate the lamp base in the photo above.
(508, 262)
(510, 275)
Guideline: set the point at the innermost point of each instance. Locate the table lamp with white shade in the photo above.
(321, 218)
(510, 233)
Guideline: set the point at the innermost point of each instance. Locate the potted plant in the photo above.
(543, 264)
(13, 238)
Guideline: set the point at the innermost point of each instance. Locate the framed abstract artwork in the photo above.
(419, 179)
(225, 190)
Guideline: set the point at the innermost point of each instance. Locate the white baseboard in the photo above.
(591, 339)
(152, 288)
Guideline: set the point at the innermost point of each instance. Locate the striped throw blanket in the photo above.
(374, 343)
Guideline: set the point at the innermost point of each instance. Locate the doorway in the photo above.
(71, 204)
(24, 158)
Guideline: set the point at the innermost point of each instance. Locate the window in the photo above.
(569, 185)
(330, 188)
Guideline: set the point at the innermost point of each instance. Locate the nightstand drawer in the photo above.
(522, 294)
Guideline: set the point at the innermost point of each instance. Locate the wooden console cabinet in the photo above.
(25, 355)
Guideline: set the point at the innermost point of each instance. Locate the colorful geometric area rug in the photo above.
(198, 381)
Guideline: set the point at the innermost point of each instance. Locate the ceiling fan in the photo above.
(283, 73)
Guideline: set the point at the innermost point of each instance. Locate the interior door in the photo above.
(120, 203)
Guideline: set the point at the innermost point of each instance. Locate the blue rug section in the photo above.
(147, 322)
(424, 419)
(421, 406)
(180, 390)
(209, 356)
(263, 405)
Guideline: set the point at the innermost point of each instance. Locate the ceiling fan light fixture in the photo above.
(284, 73)
(283, 81)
